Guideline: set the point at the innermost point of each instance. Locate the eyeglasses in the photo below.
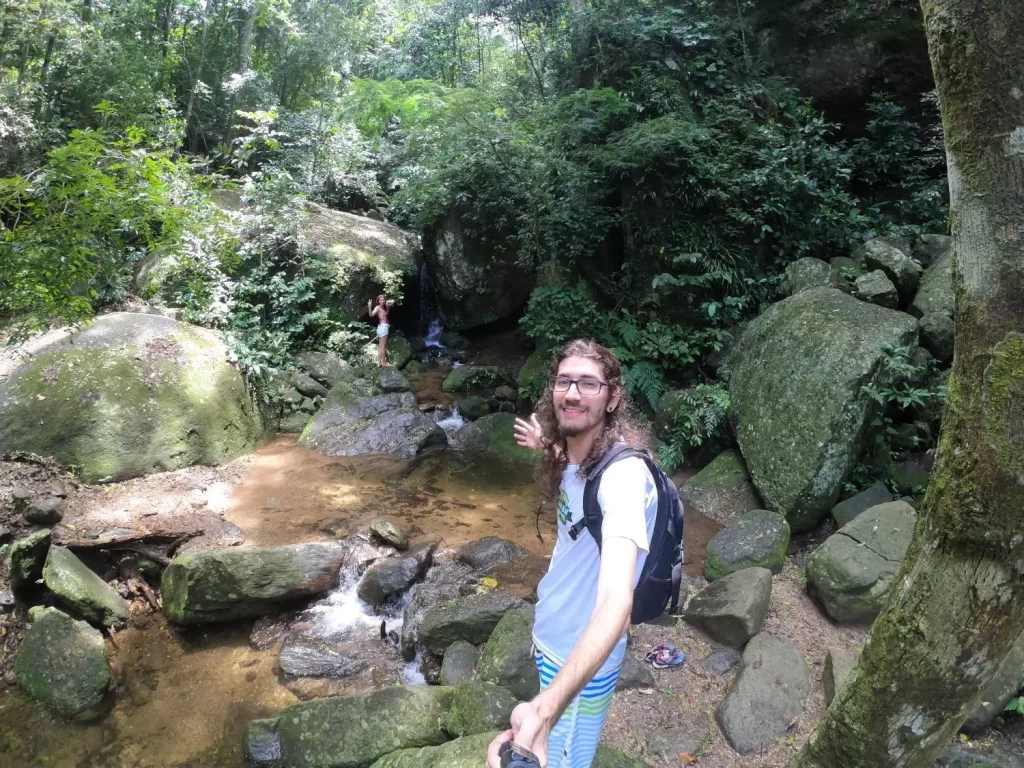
(586, 387)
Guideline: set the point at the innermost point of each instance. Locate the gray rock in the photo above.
(390, 533)
(395, 575)
(732, 609)
(937, 334)
(872, 496)
(63, 664)
(807, 273)
(883, 254)
(473, 407)
(7, 600)
(5, 534)
(688, 737)
(38, 509)
(844, 272)
(720, 662)
(213, 585)
(479, 707)
(262, 744)
(494, 435)
(307, 406)
(307, 385)
(25, 561)
(910, 476)
(505, 392)
(798, 402)
(348, 425)
(876, 288)
(444, 582)
(999, 756)
(390, 379)
(936, 292)
(459, 662)
(81, 590)
(932, 248)
(293, 423)
(722, 489)
(471, 618)
(634, 674)
(474, 377)
(852, 572)
(755, 539)
(507, 658)
(766, 695)
(489, 552)
(314, 658)
(997, 695)
(328, 368)
(838, 666)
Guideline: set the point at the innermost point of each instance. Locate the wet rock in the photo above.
(936, 292)
(469, 377)
(720, 662)
(38, 509)
(224, 584)
(390, 379)
(362, 548)
(307, 385)
(62, 663)
(262, 744)
(766, 695)
(507, 658)
(470, 618)
(688, 737)
(732, 609)
(353, 731)
(473, 407)
(479, 707)
(883, 254)
(390, 533)
(852, 572)
(328, 368)
(755, 539)
(393, 576)
(349, 425)
(798, 401)
(937, 333)
(876, 288)
(459, 662)
(81, 590)
(25, 560)
(634, 674)
(489, 552)
(838, 665)
(494, 435)
(722, 489)
(443, 582)
(314, 658)
(845, 511)
(268, 632)
(807, 273)
(997, 695)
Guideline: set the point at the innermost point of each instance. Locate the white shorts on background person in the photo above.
(382, 330)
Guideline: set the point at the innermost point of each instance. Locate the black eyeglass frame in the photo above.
(601, 384)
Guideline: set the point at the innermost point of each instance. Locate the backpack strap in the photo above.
(593, 517)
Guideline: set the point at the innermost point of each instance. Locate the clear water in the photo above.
(433, 337)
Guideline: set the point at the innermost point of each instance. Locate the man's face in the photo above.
(578, 413)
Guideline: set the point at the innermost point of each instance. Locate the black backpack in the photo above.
(658, 585)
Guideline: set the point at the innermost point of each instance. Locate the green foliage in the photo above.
(1016, 704)
(557, 313)
(698, 414)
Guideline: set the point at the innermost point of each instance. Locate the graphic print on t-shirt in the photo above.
(564, 513)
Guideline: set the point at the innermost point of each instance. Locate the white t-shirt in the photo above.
(568, 592)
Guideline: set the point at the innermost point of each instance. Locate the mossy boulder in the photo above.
(399, 353)
(935, 295)
(876, 288)
(82, 591)
(479, 707)
(355, 731)
(852, 572)
(328, 368)
(467, 752)
(356, 258)
(223, 584)
(807, 273)
(62, 663)
(507, 659)
(473, 407)
(390, 379)
(130, 395)
(25, 560)
(390, 533)
(351, 424)
(459, 662)
(799, 409)
(532, 377)
(895, 261)
(471, 618)
(756, 539)
(872, 496)
(470, 377)
(488, 553)
(494, 434)
(733, 609)
(722, 489)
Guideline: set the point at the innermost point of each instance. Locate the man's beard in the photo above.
(572, 430)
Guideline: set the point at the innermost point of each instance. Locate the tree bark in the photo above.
(957, 605)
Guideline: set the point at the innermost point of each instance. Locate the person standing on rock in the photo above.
(382, 311)
(585, 599)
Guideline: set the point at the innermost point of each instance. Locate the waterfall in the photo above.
(430, 326)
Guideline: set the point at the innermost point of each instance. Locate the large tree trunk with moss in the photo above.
(958, 603)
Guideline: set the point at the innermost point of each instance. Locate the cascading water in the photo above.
(430, 319)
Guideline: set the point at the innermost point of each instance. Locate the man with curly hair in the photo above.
(585, 599)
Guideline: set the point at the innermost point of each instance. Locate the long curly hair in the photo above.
(620, 426)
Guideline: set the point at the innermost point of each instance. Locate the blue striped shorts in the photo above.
(573, 741)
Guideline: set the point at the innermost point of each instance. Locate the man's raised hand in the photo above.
(528, 433)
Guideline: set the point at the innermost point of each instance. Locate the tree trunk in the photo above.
(957, 605)
(245, 40)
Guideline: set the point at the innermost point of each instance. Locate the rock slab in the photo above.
(494, 435)
(732, 609)
(838, 666)
(82, 591)
(722, 489)
(507, 659)
(872, 496)
(395, 575)
(768, 692)
(755, 539)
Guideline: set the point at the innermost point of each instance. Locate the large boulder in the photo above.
(533, 376)
(130, 395)
(767, 693)
(852, 572)
(399, 353)
(807, 273)
(25, 560)
(930, 248)
(471, 618)
(395, 575)
(489, 552)
(872, 496)
(798, 405)
(1004, 686)
(63, 663)
(477, 280)
(354, 731)
(494, 435)
(895, 261)
(722, 489)
(445, 581)
(229, 583)
(359, 258)
(468, 377)
(479, 707)
(507, 659)
(390, 379)
(350, 425)
(328, 368)
(81, 590)
(733, 609)
(756, 539)
(935, 295)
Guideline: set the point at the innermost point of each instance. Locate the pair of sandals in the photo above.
(665, 656)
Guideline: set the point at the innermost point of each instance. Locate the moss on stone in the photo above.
(81, 590)
(532, 377)
(468, 377)
(756, 539)
(494, 434)
(25, 560)
(507, 659)
(467, 752)
(479, 707)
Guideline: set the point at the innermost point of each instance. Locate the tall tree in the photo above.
(957, 605)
